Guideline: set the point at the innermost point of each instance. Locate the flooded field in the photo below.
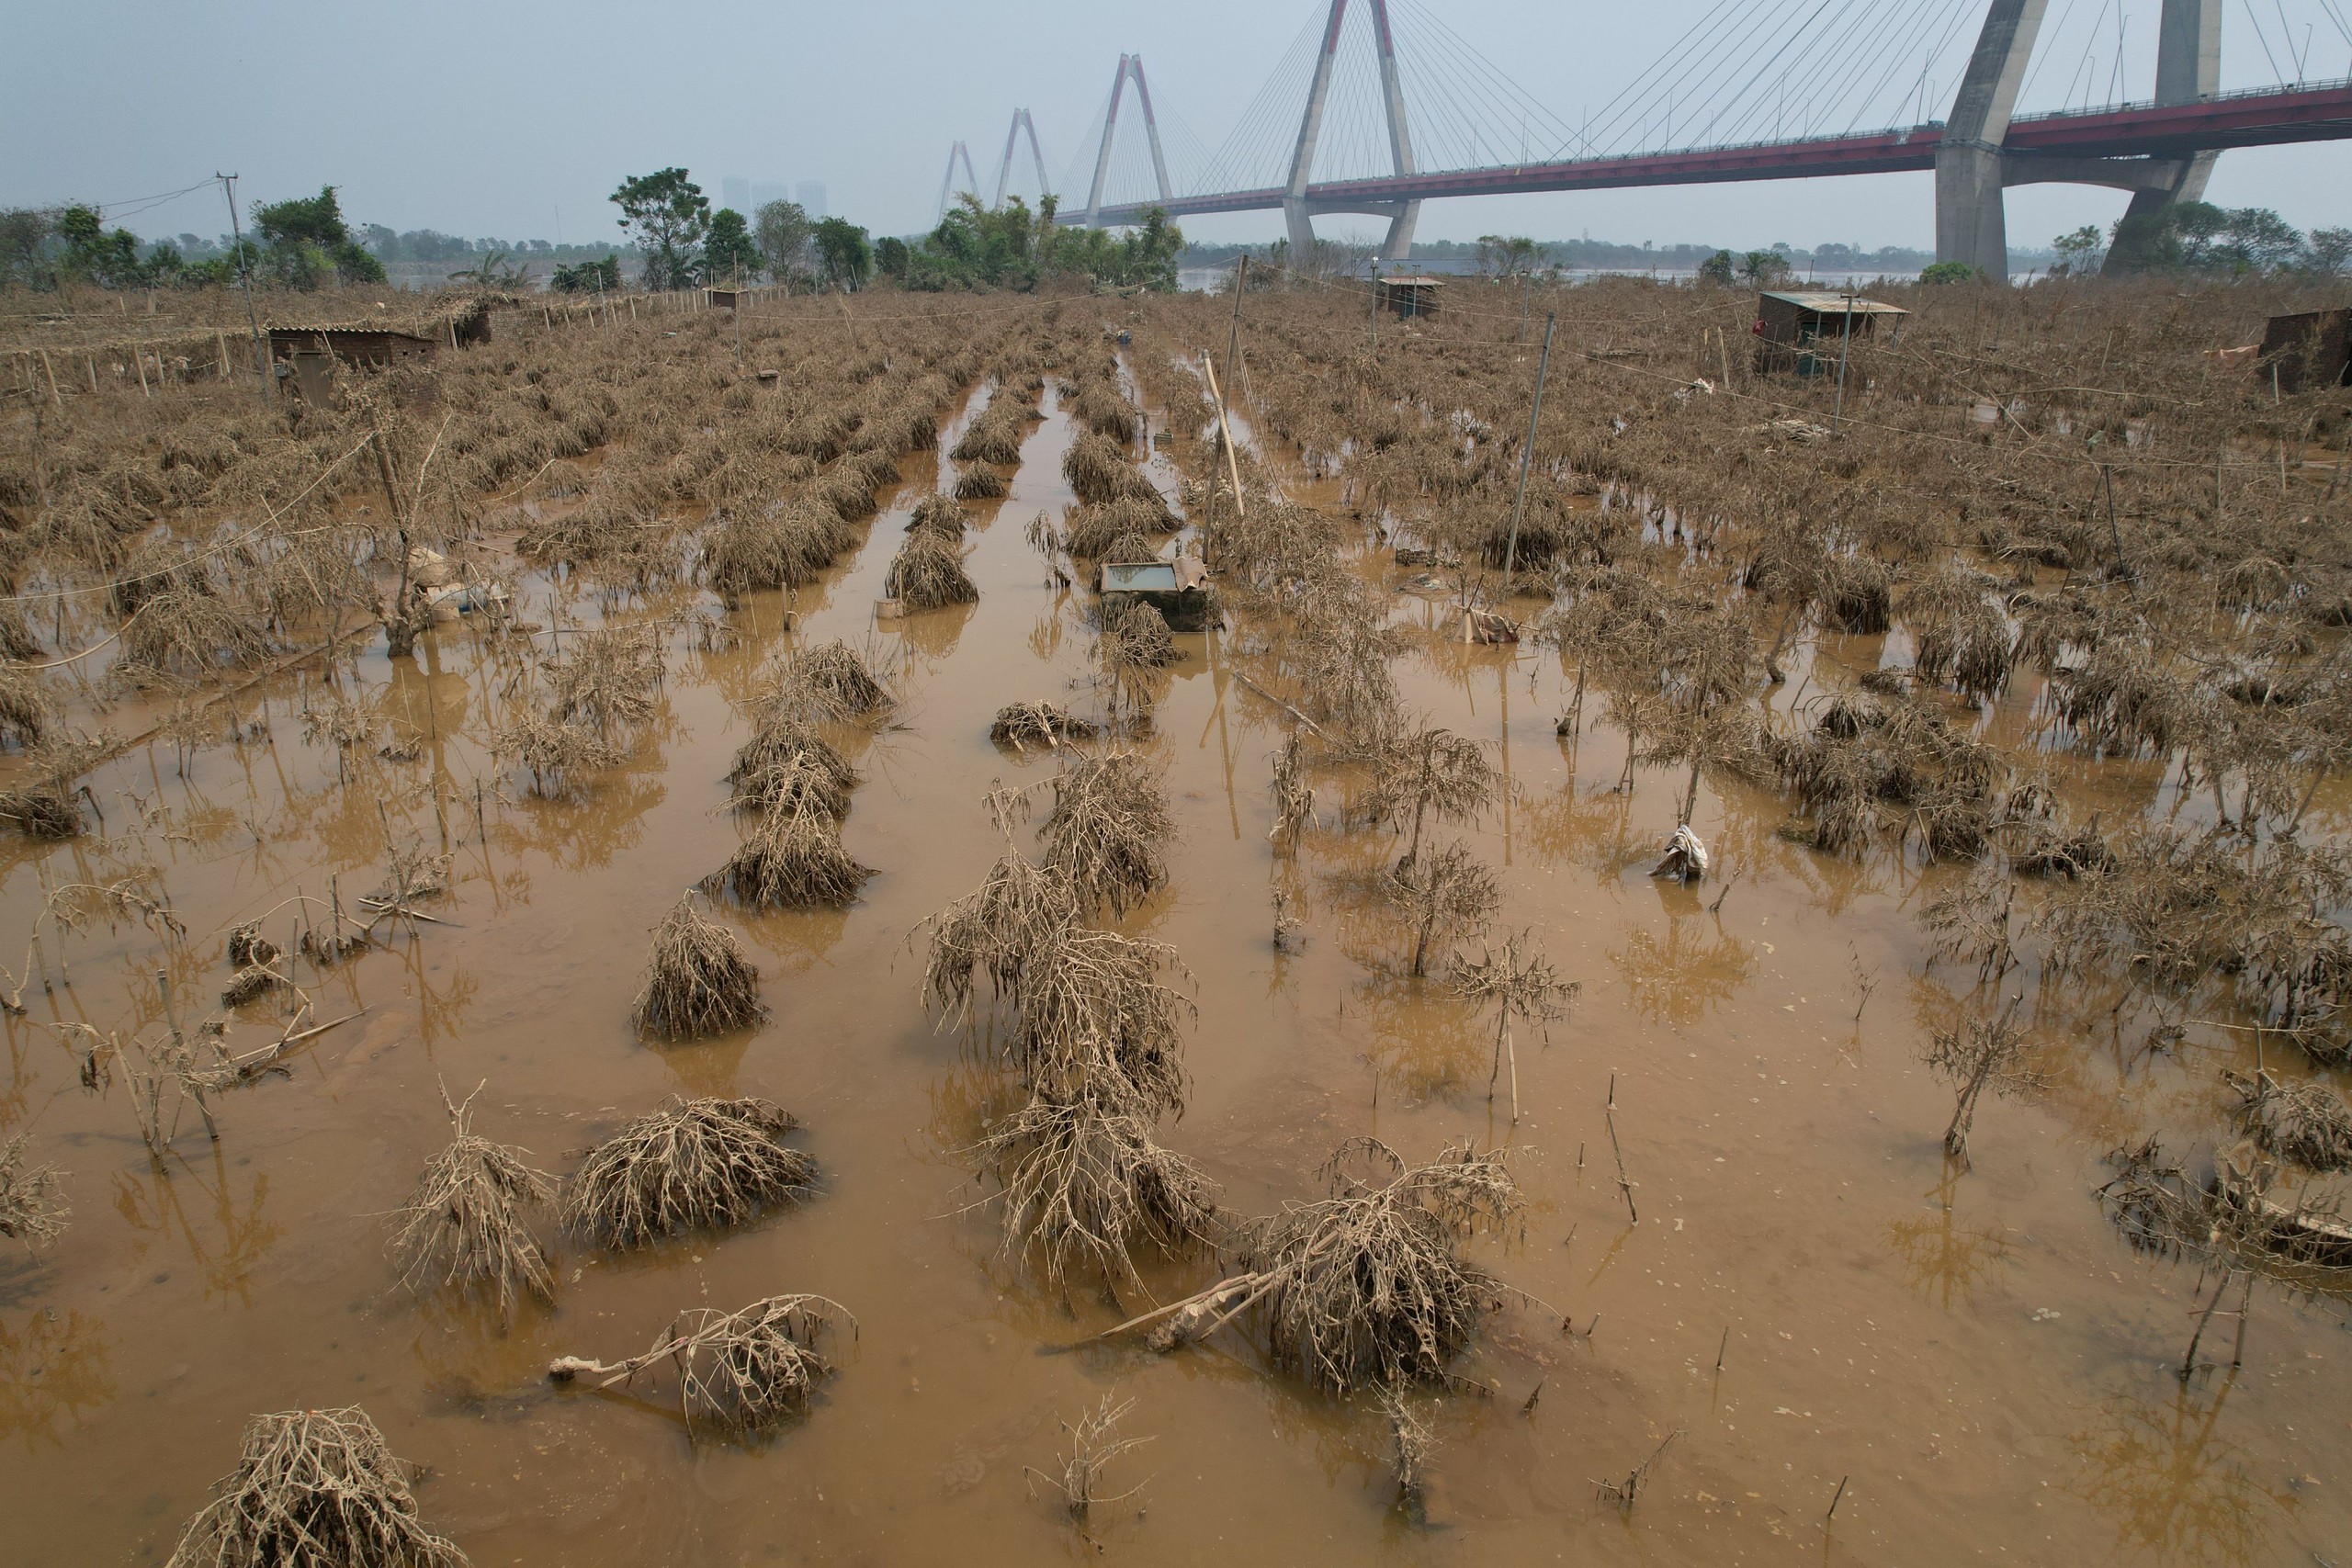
(1752, 1310)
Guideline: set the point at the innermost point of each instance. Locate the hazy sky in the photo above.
(517, 118)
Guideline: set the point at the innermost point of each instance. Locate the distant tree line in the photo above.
(2201, 237)
(298, 244)
(975, 246)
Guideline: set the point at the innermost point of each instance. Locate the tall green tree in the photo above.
(669, 217)
(1509, 255)
(782, 229)
(304, 238)
(844, 253)
(728, 252)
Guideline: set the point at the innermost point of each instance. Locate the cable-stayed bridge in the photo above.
(1379, 106)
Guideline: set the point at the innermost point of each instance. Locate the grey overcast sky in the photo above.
(517, 118)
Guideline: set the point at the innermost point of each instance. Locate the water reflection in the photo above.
(227, 1243)
(2172, 1484)
(51, 1372)
(1681, 976)
(1942, 1259)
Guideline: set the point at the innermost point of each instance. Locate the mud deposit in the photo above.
(1817, 1303)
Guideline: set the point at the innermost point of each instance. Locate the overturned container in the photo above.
(1177, 589)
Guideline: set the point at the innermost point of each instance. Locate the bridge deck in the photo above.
(2268, 116)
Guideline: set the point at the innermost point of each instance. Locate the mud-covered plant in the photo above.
(1294, 795)
(463, 1227)
(1516, 980)
(833, 681)
(1969, 918)
(1094, 1443)
(606, 679)
(689, 1164)
(2306, 1123)
(1107, 828)
(1095, 1017)
(1429, 774)
(793, 859)
(787, 761)
(32, 1197)
(1023, 725)
(697, 981)
(1443, 895)
(1083, 1186)
(1367, 1288)
(557, 756)
(1980, 1055)
(313, 1487)
(1410, 1443)
(927, 574)
(742, 1372)
(25, 713)
(1019, 907)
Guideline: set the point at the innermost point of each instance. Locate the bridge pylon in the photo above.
(1020, 122)
(947, 180)
(1130, 65)
(1974, 165)
(1297, 217)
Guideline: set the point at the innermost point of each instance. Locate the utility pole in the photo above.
(1233, 330)
(1527, 453)
(1845, 340)
(1224, 425)
(245, 272)
(1376, 307)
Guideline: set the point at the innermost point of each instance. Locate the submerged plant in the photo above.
(744, 1371)
(464, 1222)
(313, 1487)
(697, 981)
(691, 1164)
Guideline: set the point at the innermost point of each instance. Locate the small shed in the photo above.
(1410, 297)
(1177, 589)
(1793, 321)
(307, 355)
(2309, 348)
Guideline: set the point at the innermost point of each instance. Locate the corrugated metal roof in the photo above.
(1828, 301)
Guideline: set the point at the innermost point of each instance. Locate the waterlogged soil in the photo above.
(1814, 1304)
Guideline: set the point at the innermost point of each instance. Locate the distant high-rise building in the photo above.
(812, 199)
(766, 191)
(736, 192)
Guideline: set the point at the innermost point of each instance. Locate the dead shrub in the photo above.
(697, 981)
(927, 574)
(25, 715)
(2306, 1123)
(689, 1164)
(981, 483)
(464, 1221)
(1107, 828)
(1084, 1186)
(1368, 1287)
(608, 679)
(938, 515)
(1023, 725)
(32, 1206)
(313, 1487)
(793, 858)
(744, 1372)
(832, 683)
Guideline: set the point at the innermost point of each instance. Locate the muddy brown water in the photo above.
(1974, 1355)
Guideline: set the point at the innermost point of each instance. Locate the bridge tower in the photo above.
(1401, 215)
(1021, 121)
(2189, 67)
(947, 180)
(1129, 65)
(1973, 167)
